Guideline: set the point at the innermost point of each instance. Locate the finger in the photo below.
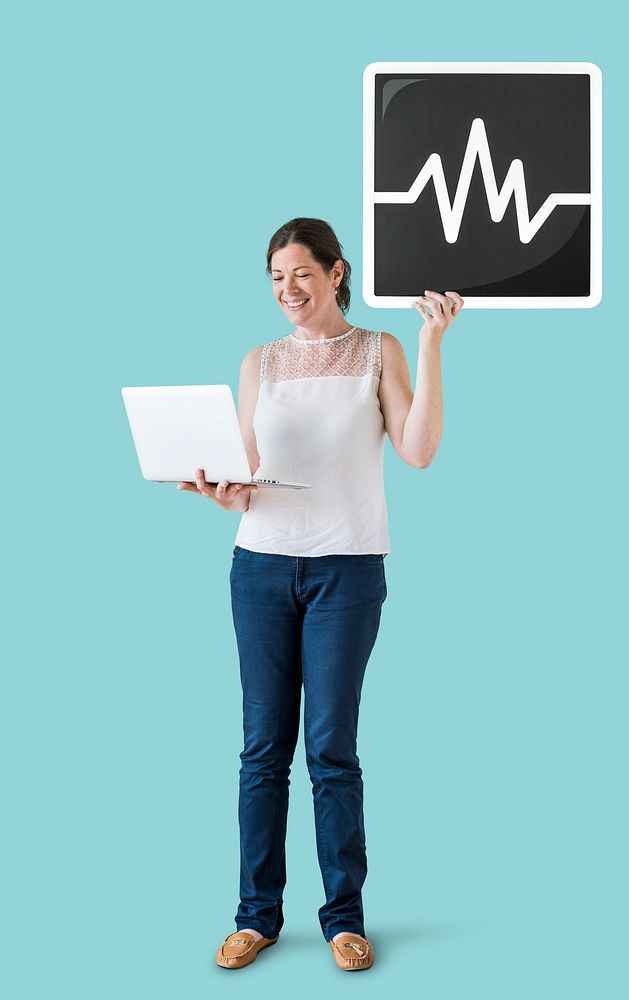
(429, 304)
(459, 302)
(240, 488)
(441, 300)
(221, 488)
(207, 489)
(433, 305)
(187, 486)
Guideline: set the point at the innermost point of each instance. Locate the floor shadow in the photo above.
(389, 937)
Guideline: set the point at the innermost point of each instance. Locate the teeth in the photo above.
(297, 302)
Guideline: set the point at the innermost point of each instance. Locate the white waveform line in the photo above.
(514, 183)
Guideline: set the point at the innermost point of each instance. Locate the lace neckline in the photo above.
(324, 340)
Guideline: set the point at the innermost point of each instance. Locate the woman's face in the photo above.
(298, 277)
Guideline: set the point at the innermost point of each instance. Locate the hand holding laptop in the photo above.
(178, 429)
(229, 496)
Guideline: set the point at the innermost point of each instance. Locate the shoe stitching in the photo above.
(362, 951)
(237, 940)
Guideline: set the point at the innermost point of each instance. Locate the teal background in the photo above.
(150, 150)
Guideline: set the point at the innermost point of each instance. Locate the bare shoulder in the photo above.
(249, 382)
(389, 342)
(392, 351)
(250, 367)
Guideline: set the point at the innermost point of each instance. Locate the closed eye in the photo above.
(299, 276)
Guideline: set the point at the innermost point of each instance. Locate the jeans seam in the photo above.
(325, 863)
(276, 864)
(278, 814)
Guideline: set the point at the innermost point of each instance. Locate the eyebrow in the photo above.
(298, 268)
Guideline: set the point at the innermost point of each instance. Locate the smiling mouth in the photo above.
(300, 304)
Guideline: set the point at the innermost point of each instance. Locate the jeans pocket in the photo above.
(237, 551)
(374, 560)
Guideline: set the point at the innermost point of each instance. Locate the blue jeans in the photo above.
(311, 620)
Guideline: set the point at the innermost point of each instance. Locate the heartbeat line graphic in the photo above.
(514, 183)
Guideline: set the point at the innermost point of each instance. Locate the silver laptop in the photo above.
(177, 429)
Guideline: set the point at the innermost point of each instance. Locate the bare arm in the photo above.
(424, 422)
(397, 402)
(414, 421)
(248, 389)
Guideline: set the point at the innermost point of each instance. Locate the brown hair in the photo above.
(324, 246)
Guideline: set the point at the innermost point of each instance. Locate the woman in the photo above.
(307, 578)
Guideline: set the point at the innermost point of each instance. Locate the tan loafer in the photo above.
(352, 952)
(241, 948)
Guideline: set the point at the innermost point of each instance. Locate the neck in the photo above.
(330, 326)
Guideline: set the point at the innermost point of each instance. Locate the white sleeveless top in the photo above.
(318, 420)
